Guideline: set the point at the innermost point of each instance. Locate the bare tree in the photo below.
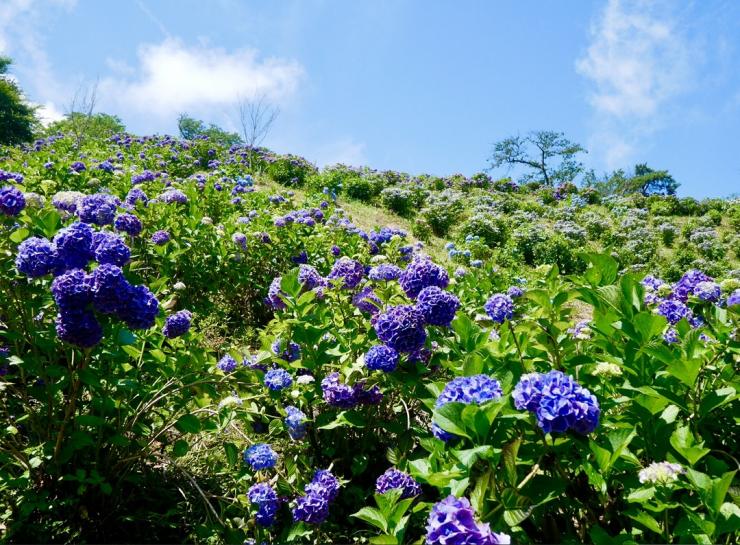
(81, 107)
(256, 116)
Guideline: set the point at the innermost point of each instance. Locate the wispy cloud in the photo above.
(172, 77)
(637, 62)
(346, 151)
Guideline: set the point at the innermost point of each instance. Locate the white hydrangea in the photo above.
(604, 368)
(661, 473)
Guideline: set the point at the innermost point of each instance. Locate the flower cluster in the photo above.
(381, 358)
(453, 522)
(437, 306)
(177, 324)
(286, 350)
(660, 473)
(12, 201)
(499, 307)
(384, 272)
(295, 421)
(422, 273)
(349, 271)
(260, 456)
(394, 479)
(313, 506)
(558, 401)
(99, 208)
(266, 499)
(344, 396)
(227, 364)
(278, 379)
(401, 327)
(476, 389)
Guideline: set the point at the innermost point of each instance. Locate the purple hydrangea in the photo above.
(385, 273)
(499, 308)
(160, 238)
(72, 290)
(401, 328)
(381, 358)
(437, 306)
(66, 201)
(349, 271)
(453, 522)
(128, 223)
(79, 327)
(12, 201)
(313, 507)
(74, 245)
(278, 379)
(177, 324)
(476, 390)
(77, 166)
(260, 456)
(514, 292)
(140, 309)
(558, 401)
(651, 282)
(227, 364)
(98, 208)
(671, 336)
(295, 421)
(734, 299)
(422, 273)
(366, 301)
(288, 351)
(275, 294)
(36, 257)
(707, 291)
(394, 479)
(685, 286)
(110, 289)
(135, 195)
(309, 277)
(673, 310)
(110, 249)
(343, 396)
(266, 499)
(173, 196)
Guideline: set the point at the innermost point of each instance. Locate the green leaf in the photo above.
(647, 521)
(683, 441)
(449, 418)
(232, 453)
(384, 540)
(188, 424)
(372, 516)
(180, 448)
(19, 235)
(510, 452)
(641, 495)
(717, 398)
(685, 370)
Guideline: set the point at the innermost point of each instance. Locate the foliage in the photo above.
(191, 128)
(17, 117)
(96, 126)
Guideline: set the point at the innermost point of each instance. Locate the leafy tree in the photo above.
(98, 125)
(191, 128)
(538, 151)
(17, 117)
(652, 182)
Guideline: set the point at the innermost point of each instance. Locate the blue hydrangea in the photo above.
(476, 390)
(275, 294)
(685, 286)
(385, 272)
(266, 499)
(98, 208)
(734, 299)
(79, 327)
(401, 328)
(309, 277)
(708, 291)
(160, 238)
(295, 422)
(12, 201)
(72, 290)
(671, 336)
(227, 364)
(173, 196)
(277, 379)
(313, 507)
(514, 292)
(136, 195)
(343, 396)
(177, 324)
(422, 273)
(141, 308)
(394, 479)
(651, 282)
(453, 522)
(381, 358)
(558, 401)
(437, 306)
(74, 245)
(499, 308)
(110, 249)
(366, 301)
(673, 310)
(349, 271)
(260, 456)
(36, 257)
(110, 289)
(128, 223)
(286, 350)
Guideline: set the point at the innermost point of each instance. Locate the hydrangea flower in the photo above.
(140, 309)
(673, 310)
(295, 421)
(110, 249)
(661, 473)
(72, 290)
(160, 238)
(558, 401)
(343, 396)
(74, 245)
(278, 379)
(260, 456)
(401, 328)
(275, 294)
(98, 208)
(688, 282)
(177, 324)
(671, 336)
(313, 507)
(240, 239)
(394, 479)
(79, 327)
(381, 358)
(476, 389)
(453, 522)
(66, 201)
(173, 196)
(580, 331)
(349, 271)
(384, 272)
(12, 201)
(437, 306)
(422, 273)
(128, 223)
(266, 499)
(734, 299)
(227, 364)
(110, 289)
(366, 301)
(36, 257)
(606, 369)
(707, 291)
(288, 351)
(309, 277)
(514, 292)
(499, 308)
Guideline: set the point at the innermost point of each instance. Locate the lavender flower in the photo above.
(177, 324)
(401, 328)
(381, 358)
(452, 522)
(278, 379)
(499, 308)
(394, 479)
(260, 456)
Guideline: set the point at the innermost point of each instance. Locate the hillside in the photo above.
(222, 344)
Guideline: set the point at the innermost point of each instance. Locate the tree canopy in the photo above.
(548, 156)
(191, 128)
(644, 180)
(99, 125)
(17, 117)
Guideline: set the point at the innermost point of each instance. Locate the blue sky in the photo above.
(409, 85)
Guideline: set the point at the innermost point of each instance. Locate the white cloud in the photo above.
(346, 151)
(638, 60)
(172, 77)
(48, 113)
